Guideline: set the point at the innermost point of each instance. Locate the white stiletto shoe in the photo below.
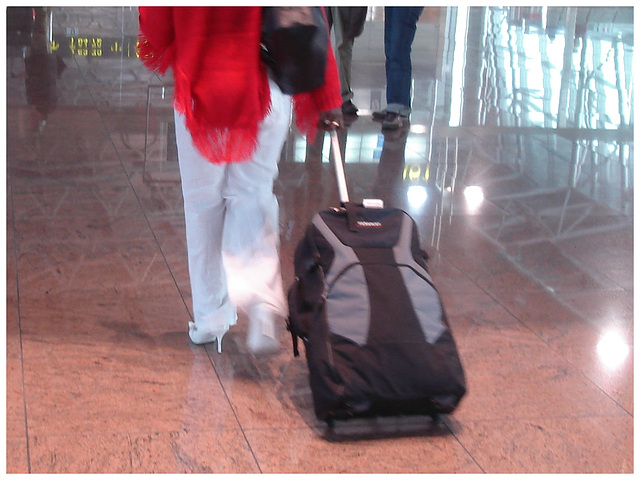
(200, 336)
(262, 338)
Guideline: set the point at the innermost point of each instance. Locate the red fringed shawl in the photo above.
(220, 82)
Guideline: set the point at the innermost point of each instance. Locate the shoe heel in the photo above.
(219, 341)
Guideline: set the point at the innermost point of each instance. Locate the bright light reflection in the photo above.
(474, 197)
(612, 350)
(458, 66)
(416, 195)
(418, 128)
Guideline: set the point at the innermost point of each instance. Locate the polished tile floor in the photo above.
(518, 167)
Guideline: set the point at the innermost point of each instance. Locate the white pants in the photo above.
(231, 216)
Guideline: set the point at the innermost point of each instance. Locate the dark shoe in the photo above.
(348, 108)
(379, 116)
(394, 121)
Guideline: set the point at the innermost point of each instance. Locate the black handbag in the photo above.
(294, 46)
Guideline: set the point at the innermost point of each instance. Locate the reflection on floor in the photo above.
(518, 167)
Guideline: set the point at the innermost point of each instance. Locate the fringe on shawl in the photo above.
(306, 114)
(152, 58)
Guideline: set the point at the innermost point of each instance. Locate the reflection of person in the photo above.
(231, 124)
(388, 183)
(19, 26)
(400, 24)
(42, 70)
(348, 23)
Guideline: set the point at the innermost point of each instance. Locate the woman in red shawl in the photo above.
(231, 123)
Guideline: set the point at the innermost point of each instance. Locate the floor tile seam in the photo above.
(482, 290)
(612, 288)
(98, 245)
(542, 417)
(130, 183)
(98, 294)
(452, 429)
(550, 237)
(563, 298)
(321, 432)
(451, 260)
(233, 410)
(26, 216)
(514, 265)
(174, 215)
(20, 355)
(32, 217)
(362, 438)
(294, 427)
(619, 407)
(76, 269)
(62, 212)
(476, 273)
(486, 292)
(555, 347)
(116, 369)
(593, 382)
(99, 291)
(393, 435)
(557, 295)
(525, 325)
(129, 438)
(594, 271)
(57, 299)
(73, 355)
(50, 187)
(130, 434)
(542, 289)
(140, 258)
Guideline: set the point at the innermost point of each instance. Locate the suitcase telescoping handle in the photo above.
(342, 182)
(341, 178)
(339, 166)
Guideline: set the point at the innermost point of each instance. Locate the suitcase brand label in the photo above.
(363, 224)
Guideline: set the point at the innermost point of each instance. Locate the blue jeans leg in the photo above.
(399, 32)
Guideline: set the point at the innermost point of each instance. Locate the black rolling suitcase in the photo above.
(376, 337)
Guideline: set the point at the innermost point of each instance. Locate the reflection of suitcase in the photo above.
(376, 336)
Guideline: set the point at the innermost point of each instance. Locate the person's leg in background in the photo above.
(344, 55)
(399, 32)
(347, 24)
